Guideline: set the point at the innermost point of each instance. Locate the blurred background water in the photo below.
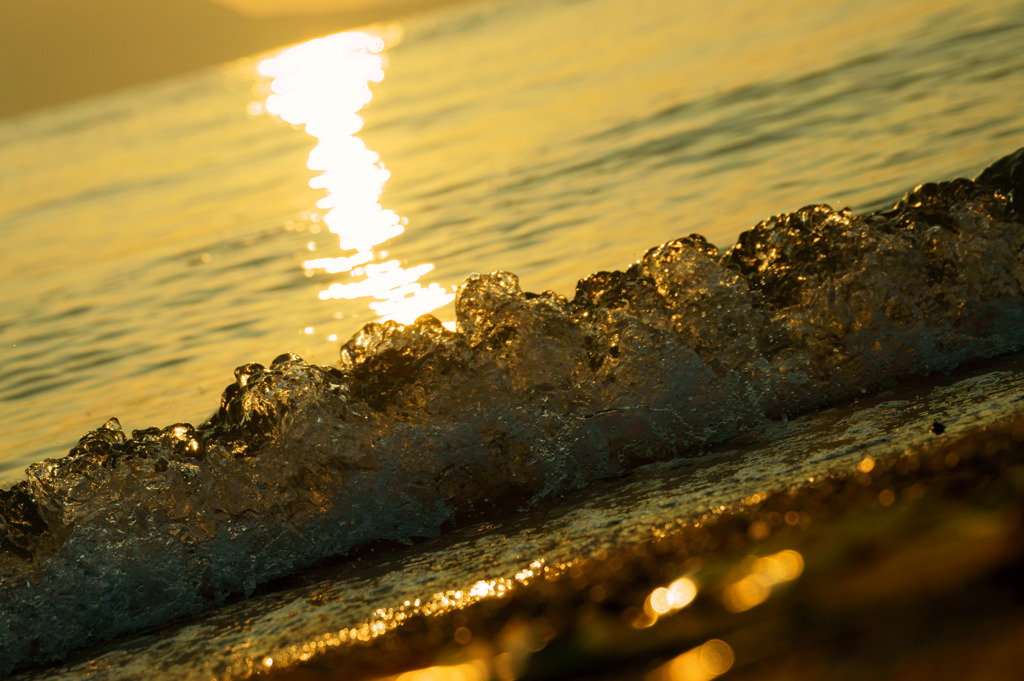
(155, 238)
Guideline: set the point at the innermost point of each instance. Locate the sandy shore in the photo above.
(906, 569)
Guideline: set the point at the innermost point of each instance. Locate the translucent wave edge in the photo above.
(419, 429)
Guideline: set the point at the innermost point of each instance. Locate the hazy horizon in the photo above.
(277, 8)
(94, 47)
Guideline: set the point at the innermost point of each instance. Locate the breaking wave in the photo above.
(419, 428)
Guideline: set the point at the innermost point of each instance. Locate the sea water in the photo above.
(156, 238)
(159, 237)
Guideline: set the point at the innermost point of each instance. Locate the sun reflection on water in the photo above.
(322, 85)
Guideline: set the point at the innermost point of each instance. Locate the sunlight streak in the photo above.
(322, 85)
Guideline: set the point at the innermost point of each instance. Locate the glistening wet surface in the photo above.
(156, 238)
(344, 606)
(168, 234)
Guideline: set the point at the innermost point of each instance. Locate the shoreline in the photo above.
(893, 552)
(420, 430)
(920, 522)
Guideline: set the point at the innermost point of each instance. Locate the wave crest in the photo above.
(419, 428)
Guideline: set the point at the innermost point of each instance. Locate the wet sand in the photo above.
(899, 569)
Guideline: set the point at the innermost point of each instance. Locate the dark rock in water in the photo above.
(419, 428)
